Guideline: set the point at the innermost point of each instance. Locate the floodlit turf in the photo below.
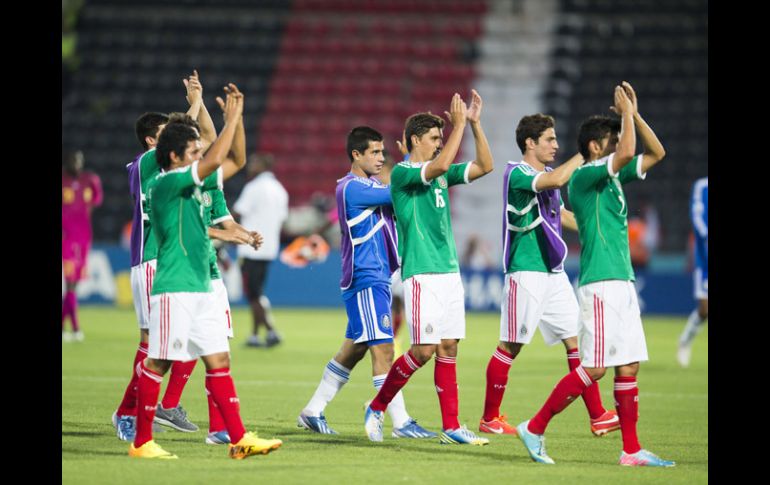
(275, 384)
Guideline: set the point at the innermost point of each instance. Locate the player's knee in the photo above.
(512, 348)
(423, 353)
(157, 366)
(596, 373)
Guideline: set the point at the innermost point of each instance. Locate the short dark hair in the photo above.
(532, 126)
(147, 125)
(359, 138)
(174, 139)
(184, 119)
(419, 124)
(594, 128)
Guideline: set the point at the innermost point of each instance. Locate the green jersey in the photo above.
(214, 211)
(423, 219)
(601, 212)
(148, 170)
(529, 248)
(176, 213)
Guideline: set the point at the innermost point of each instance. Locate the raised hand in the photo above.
(457, 111)
(631, 95)
(474, 111)
(622, 103)
(402, 144)
(234, 104)
(194, 88)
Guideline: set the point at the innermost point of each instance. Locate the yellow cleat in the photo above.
(250, 444)
(151, 449)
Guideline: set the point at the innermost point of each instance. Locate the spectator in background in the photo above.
(80, 193)
(643, 235)
(263, 206)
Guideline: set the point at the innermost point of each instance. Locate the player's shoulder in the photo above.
(523, 168)
(406, 164)
(702, 183)
(599, 162)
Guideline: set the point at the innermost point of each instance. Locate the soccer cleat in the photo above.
(174, 418)
(66, 336)
(373, 423)
(151, 449)
(605, 423)
(250, 445)
(497, 425)
(78, 336)
(254, 341)
(412, 430)
(644, 458)
(314, 423)
(535, 444)
(461, 436)
(683, 355)
(125, 426)
(272, 339)
(218, 438)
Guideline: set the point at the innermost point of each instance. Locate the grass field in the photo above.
(275, 384)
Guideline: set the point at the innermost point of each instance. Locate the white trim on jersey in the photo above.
(360, 217)
(194, 169)
(370, 234)
(534, 182)
(467, 173)
(639, 161)
(610, 170)
(228, 217)
(523, 211)
(697, 207)
(526, 228)
(422, 173)
(220, 178)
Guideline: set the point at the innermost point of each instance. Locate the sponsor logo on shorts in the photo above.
(385, 321)
(429, 329)
(177, 344)
(442, 182)
(612, 350)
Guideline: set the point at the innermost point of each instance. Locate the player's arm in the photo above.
(484, 163)
(624, 152)
(568, 220)
(236, 159)
(457, 116)
(653, 149)
(195, 91)
(254, 239)
(194, 96)
(216, 154)
(362, 196)
(231, 235)
(560, 176)
(98, 193)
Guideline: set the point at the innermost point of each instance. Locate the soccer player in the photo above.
(143, 258)
(369, 257)
(433, 290)
(184, 320)
(610, 328)
(537, 292)
(699, 214)
(81, 192)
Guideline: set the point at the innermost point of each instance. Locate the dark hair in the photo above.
(595, 128)
(174, 139)
(359, 138)
(147, 125)
(532, 126)
(419, 124)
(184, 119)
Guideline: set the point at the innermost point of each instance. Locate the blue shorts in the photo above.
(369, 318)
(701, 282)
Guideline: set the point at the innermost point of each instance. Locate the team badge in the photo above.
(385, 321)
(177, 344)
(206, 199)
(429, 329)
(612, 350)
(523, 331)
(442, 182)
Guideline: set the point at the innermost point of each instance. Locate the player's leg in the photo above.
(273, 338)
(697, 317)
(397, 309)
(217, 434)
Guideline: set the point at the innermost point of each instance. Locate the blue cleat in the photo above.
(412, 430)
(125, 426)
(461, 436)
(373, 424)
(218, 438)
(644, 458)
(314, 423)
(535, 444)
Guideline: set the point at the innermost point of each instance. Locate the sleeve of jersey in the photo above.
(698, 209)
(632, 171)
(219, 212)
(458, 173)
(520, 180)
(404, 176)
(96, 185)
(361, 195)
(213, 181)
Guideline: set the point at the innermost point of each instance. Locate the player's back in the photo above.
(140, 172)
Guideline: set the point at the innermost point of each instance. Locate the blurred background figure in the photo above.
(81, 192)
(263, 206)
(643, 234)
(477, 254)
(699, 213)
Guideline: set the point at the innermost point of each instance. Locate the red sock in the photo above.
(497, 378)
(128, 404)
(400, 372)
(627, 404)
(445, 378)
(571, 386)
(216, 421)
(591, 396)
(220, 384)
(149, 388)
(180, 374)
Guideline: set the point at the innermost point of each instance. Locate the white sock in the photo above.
(334, 377)
(693, 327)
(397, 407)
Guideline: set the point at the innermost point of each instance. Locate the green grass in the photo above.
(275, 384)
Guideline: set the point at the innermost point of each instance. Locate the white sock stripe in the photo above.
(142, 350)
(218, 374)
(338, 366)
(625, 386)
(410, 362)
(583, 375)
(446, 360)
(152, 376)
(502, 357)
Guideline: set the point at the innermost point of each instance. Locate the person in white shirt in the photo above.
(263, 205)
